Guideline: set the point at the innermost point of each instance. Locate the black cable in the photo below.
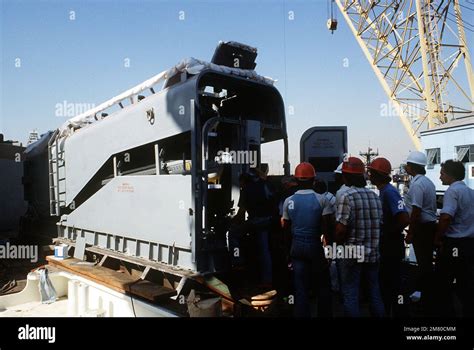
(469, 29)
(284, 51)
(131, 294)
(466, 7)
(464, 22)
(454, 21)
(133, 305)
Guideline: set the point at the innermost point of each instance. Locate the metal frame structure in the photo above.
(414, 48)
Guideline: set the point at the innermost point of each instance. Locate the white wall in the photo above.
(447, 140)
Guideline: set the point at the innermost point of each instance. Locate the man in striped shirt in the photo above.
(358, 217)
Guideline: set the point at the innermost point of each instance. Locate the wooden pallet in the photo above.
(118, 281)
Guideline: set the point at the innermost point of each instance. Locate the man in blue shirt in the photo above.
(455, 237)
(392, 248)
(308, 213)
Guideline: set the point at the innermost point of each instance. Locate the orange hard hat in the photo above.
(305, 171)
(353, 165)
(381, 165)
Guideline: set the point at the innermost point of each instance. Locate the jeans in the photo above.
(456, 261)
(261, 228)
(310, 269)
(351, 271)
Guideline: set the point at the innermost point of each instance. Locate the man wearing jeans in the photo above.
(455, 237)
(308, 214)
(358, 217)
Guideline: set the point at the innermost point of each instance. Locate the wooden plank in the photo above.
(115, 280)
(215, 285)
(111, 279)
(134, 260)
(150, 291)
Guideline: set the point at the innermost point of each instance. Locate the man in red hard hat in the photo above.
(392, 248)
(358, 220)
(308, 213)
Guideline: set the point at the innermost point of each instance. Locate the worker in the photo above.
(455, 237)
(392, 248)
(281, 241)
(358, 220)
(421, 204)
(263, 170)
(258, 200)
(307, 213)
(339, 181)
(289, 188)
(341, 188)
(321, 187)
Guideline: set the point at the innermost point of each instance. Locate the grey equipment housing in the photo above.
(147, 180)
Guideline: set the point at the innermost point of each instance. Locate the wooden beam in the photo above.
(115, 280)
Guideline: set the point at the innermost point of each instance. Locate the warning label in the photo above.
(125, 187)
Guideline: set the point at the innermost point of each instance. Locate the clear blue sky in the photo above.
(82, 61)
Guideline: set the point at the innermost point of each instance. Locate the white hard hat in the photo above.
(339, 169)
(417, 157)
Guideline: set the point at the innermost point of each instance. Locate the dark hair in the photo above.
(305, 184)
(357, 180)
(320, 187)
(338, 179)
(288, 180)
(417, 168)
(455, 169)
(379, 178)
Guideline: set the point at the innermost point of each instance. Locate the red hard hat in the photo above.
(353, 165)
(305, 171)
(381, 165)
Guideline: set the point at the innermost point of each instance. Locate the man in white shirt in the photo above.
(455, 237)
(421, 205)
(340, 182)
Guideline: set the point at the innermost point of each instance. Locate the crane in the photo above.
(416, 48)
